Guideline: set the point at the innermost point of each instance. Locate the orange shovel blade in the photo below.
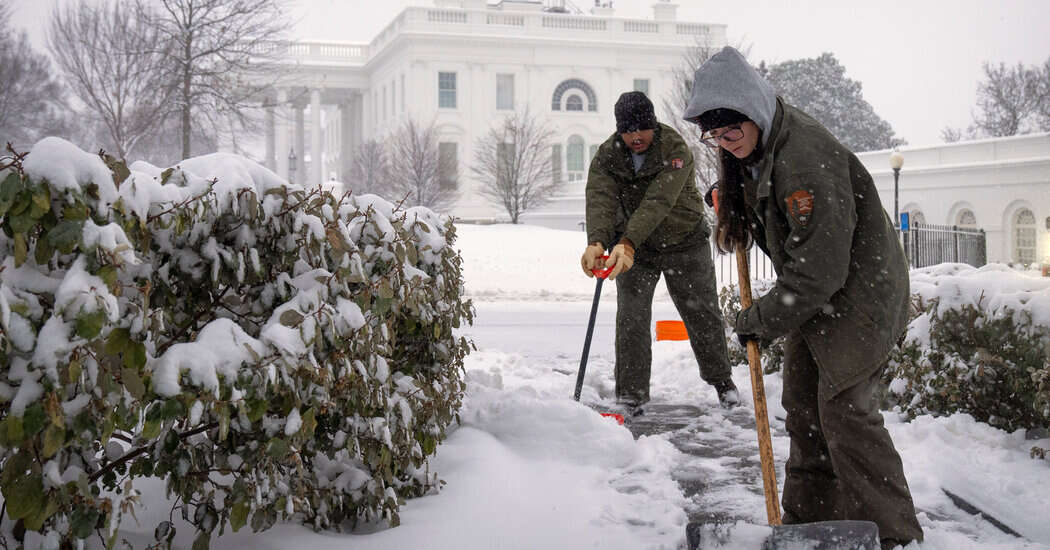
(617, 417)
(671, 330)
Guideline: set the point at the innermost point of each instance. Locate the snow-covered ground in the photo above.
(529, 468)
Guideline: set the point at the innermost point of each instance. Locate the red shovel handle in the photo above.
(602, 272)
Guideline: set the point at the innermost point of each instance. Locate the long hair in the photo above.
(734, 217)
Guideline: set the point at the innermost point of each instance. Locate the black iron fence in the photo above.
(924, 244)
(931, 244)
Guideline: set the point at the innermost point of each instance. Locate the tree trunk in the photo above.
(187, 81)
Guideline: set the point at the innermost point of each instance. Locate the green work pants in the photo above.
(842, 464)
(690, 278)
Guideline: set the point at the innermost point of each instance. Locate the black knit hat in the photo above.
(634, 112)
(717, 118)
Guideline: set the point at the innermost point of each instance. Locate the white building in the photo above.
(1000, 185)
(465, 64)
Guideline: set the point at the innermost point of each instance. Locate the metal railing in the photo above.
(931, 244)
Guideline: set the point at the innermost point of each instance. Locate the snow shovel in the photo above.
(600, 274)
(822, 535)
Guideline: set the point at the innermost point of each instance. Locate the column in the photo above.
(281, 133)
(347, 144)
(300, 145)
(316, 139)
(270, 143)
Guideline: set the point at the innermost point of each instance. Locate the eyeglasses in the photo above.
(733, 133)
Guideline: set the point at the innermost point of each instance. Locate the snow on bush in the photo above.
(272, 352)
(980, 344)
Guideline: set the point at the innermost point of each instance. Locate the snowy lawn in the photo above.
(529, 468)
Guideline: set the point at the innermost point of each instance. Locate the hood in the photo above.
(728, 81)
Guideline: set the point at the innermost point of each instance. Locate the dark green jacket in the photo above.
(842, 277)
(658, 209)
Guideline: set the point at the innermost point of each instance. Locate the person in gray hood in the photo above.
(840, 298)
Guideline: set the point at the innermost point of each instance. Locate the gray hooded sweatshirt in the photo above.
(842, 278)
(728, 81)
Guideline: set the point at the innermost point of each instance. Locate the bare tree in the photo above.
(114, 61)
(221, 59)
(1043, 90)
(1007, 100)
(512, 162)
(370, 169)
(32, 101)
(416, 168)
(675, 103)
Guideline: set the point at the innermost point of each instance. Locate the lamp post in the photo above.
(291, 165)
(896, 161)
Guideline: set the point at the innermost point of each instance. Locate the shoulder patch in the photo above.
(677, 163)
(800, 206)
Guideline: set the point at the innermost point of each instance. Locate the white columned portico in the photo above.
(316, 156)
(281, 133)
(300, 144)
(270, 145)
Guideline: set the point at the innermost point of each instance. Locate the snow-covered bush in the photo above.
(980, 344)
(729, 301)
(273, 352)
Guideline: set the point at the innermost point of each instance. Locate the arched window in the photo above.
(1024, 236)
(917, 217)
(966, 219)
(574, 84)
(574, 158)
(574, 103)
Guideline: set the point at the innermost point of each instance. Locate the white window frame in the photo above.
(447, 94)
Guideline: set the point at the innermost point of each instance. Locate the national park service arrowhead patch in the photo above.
(800, 206)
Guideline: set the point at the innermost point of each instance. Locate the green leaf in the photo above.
(15, 430)
(34, 419)
(84, 522)
(309, 423)
(43, 252)
(117, 341)
(382, 306)
(119, 169)
(108, 274)
(9, 190)
(151, 429)
(239, 515)
(75, 212)
(291, 318)
(22, 486)
(54, 437)
(21, 249)
(278, 448)
(385, 290)
(90, 324)
(36, 521)
(172, 409)
(135, 355)
(256, 410)
(74, 371)
(21, 222)
(66, 235)
(133, 382)
(165, 175)
(41, 202)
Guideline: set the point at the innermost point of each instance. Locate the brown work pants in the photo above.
(842, 464)
(690, 278)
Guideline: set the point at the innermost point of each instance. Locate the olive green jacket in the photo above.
(658, 209)
(842, 276)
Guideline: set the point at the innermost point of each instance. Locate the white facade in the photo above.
(1000, 185)
(465, 64)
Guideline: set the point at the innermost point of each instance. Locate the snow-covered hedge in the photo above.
(273, 352)
(980, 344)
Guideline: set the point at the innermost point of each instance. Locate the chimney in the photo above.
(603, 9)
(664, 10)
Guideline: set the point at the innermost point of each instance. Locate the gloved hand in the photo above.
(745, 338)
(709, 195)
(621, 257)
(590, 257)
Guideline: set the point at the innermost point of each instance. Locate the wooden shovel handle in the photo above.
(758, 389)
